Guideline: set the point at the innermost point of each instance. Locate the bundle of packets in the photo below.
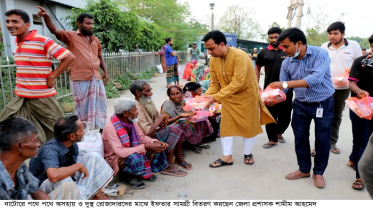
(342, 79)
(198, 102)
(273, 95)
(361, 107)
(197, 105)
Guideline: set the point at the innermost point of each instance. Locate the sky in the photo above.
(357, 14)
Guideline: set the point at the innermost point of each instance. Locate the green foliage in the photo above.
(118, 29)
(316, 38)
(127, 79)
(238, 20)
(170, 15)
(1, 44)
(111, 91)
(363, 42)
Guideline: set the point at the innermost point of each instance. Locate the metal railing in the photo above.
(116, 63)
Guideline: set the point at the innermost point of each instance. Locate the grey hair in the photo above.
(124, 105)
(138, 85)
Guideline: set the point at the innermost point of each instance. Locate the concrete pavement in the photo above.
(265, 180)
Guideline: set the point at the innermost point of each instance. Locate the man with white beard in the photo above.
(155, 125)
(133, 156)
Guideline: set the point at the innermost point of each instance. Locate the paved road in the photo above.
(265, 180)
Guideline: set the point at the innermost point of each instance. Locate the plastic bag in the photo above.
(159, 68)
(198, 102)
(273, 95)
(92, 142)
(341, 81)
(361, 107)
(200, 116)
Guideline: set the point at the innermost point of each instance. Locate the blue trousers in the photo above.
(303, 113)
(361, 130)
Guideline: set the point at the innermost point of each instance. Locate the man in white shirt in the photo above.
(342, 53)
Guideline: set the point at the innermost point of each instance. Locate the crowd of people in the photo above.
(140, 140)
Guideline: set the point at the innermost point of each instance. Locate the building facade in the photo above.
(57, 10)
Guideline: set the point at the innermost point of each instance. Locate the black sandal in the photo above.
(222, 163)
(248, 158)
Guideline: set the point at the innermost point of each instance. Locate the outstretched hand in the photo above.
(42, 12)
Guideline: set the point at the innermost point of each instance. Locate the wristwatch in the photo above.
(284, 85)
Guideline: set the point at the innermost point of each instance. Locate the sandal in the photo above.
(248, 158)
(185, 165)
(351, 165)
(197, 150)
(358, 184)
(221, 162)
(204, 146)
(281, 139)
(268, 145)
(177, 173)
(134, 184)
(334, 149)
(313, 153)
(183, 155)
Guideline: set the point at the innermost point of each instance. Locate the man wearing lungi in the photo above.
(86, 81)
(57, 162)
(171, 62)
(234, 85)
(35, 82)
(19, 142)
(155, 125)
(132, 154)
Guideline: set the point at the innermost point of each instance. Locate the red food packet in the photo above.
(273, 95)
(361, 107)
(341, 81)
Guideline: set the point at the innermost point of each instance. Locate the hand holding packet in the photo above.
(341, 81)
(361, 107)
(273, 95)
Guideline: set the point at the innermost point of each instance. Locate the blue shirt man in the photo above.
(172, 74)
(27, 184)
(170, 59)
(53, 154)
(307, 70)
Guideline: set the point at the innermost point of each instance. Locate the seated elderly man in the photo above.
(155, 125)
(18, 142)
(57, 162)
(130, 152)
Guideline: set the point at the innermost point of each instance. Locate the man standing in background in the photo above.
(171, 61)
(271, 58)
(342, 53)
(194, 52)
(35, 82)
(254, 55)
(86, 81)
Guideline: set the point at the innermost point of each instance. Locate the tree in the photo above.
(237, 20)
(170, 15)
(363, 42)
(118, 29)
(318, 21)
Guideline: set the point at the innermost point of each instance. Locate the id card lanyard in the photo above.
(319, 111)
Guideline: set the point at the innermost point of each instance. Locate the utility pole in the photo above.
(299, 14)
(296, 6)
(212, 6)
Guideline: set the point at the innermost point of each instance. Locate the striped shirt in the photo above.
(314, 68)
(33, 58)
